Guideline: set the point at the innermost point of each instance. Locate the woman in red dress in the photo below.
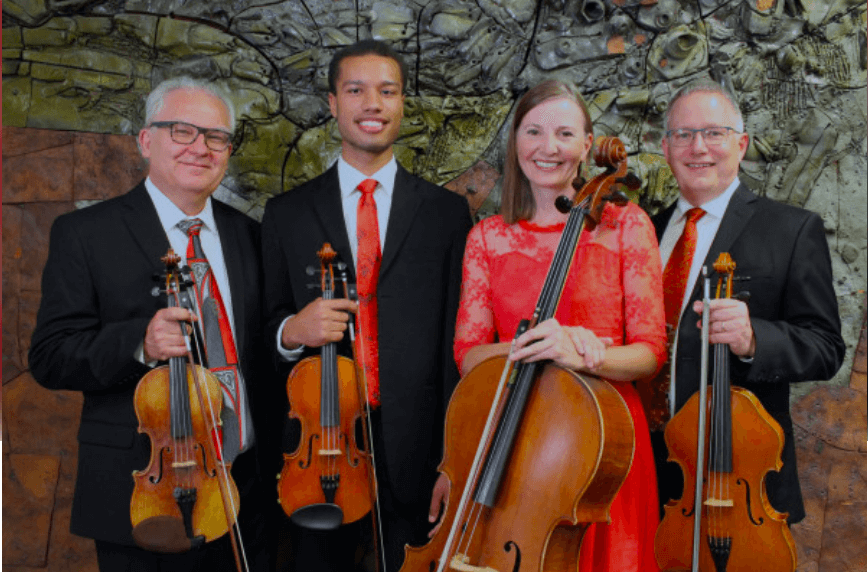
(610, 320)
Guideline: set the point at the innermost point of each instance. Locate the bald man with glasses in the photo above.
(789, 331)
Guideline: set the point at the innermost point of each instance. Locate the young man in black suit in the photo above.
(100, 329)
(789, 331)
(422, 230)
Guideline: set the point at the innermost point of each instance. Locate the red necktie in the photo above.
(367, 272)
(219, 343)
(678, 267)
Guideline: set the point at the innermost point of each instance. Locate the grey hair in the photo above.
(704, 86)
(157, 97)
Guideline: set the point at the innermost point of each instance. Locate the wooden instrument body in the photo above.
(195, 467)
(757, 443)
(567, 465)
(299, 483)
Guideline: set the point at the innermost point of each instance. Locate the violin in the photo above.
(329, 479)
(185, 497)
(554, 447)
(723, 521)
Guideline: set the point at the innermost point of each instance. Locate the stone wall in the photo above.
(75, 73)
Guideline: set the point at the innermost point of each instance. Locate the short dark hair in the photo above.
(364, 48)
(516, 197)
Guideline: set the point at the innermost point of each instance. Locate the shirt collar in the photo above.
(350, 177)
(169, 213)
(716, 207)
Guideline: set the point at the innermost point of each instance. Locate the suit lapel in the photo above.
(405, 202)
(738, 213)
(661, 220)
(234, 254)
(141, 218)
(326, 201)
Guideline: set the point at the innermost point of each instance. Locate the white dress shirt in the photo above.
(349, 178)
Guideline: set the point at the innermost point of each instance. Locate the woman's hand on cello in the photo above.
(439, 502)
(548, 341)
(591, 348)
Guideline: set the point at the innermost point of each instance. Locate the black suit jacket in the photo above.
(96, 305)
(793, 310)
(417, 294)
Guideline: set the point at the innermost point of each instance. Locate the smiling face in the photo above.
(551, 141)
(704, 171)
(368, 105)
(186, 174)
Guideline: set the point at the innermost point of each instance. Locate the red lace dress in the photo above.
(614, 289)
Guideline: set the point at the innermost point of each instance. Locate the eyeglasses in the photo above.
(710, 135)
(187, 133)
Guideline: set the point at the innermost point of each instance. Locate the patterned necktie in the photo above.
(678, 267)
(367, 271)
(654, 393)
(219, 343)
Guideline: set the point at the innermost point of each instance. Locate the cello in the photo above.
(723, 521)
(554, 447)
(185, 497)
(329, 479)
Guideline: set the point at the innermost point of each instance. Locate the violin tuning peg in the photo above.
(155, 291)
(743, 296)
(630, 180)
(277, 476)
(310, 270)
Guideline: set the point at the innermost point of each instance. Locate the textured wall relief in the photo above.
(75, 73)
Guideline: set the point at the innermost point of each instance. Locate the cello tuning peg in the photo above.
(563, 204)
(579, 182)
(617, 197)
(630, 180)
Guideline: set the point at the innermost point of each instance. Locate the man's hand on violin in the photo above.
(729, 323)
(164, 338)
(439, 502)
(319, 323)
(574, 348)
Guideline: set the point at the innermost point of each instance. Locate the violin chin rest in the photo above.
(164, 534)
(321, 516)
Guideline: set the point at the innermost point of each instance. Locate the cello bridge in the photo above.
(460, 563)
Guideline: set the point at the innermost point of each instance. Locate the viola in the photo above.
(547, 458)
(329, 479)
(723, 521)
(185, 497)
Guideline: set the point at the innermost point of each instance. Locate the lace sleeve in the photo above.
(644, 315)
(475, 321)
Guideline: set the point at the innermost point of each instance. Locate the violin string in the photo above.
(196, 349)
(180, 413)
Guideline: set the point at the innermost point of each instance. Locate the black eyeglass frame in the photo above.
(199, 131)
(702, 130)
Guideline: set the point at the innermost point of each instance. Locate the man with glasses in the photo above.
(100, 328)
(789, 330)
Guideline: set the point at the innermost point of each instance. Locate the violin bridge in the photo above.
(330, 452)
(719, 503)
(184, 464)
(460, 563)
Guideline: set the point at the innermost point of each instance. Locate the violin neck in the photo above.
(720, 432)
